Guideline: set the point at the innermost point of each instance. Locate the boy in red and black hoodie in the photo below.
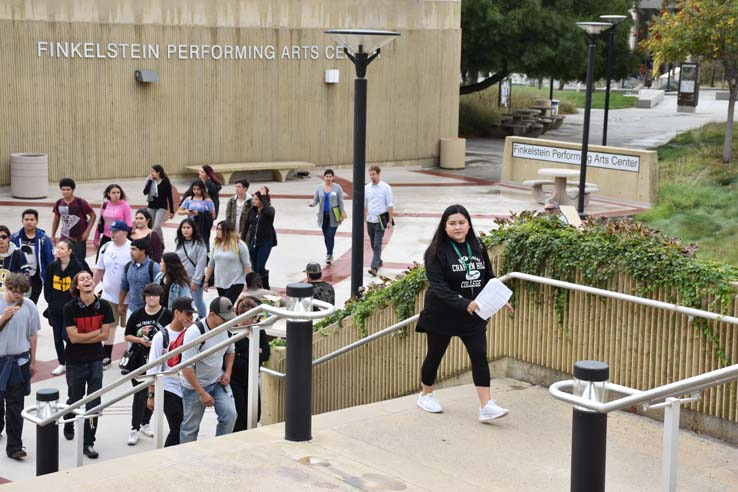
(87, 320)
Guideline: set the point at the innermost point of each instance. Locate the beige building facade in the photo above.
(238, 81)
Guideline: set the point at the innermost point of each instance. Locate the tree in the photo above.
(700, 28)
(535, 37)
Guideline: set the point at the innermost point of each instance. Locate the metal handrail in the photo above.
(325, 310)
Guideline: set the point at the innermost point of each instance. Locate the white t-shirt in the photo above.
(171, 383)
(113, 260)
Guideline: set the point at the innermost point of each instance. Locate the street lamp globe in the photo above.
(362, 40)
(613, 19)
(593, 28)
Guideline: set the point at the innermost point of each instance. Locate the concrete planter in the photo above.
(453, 153)
(29, 175)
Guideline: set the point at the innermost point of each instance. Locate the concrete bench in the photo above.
(279, 170)
(649, 98)
(722, 95)
(540, 195)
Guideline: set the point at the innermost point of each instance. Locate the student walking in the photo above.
(379, 211)
(59, 276)
(137, 273)
(238, 206)
(142, 224)
(158, 191)
(200, 208)
(212, 183)
(229, 262)
(75, 216)
(38, 248)
(261, 236)
(173, 279)
(457, 267)
(194, 255)
(331, 213)
(114, 207)
(165, 341)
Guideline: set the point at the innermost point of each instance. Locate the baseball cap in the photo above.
(313, 267)
(120, 225)
(185, 304)
(223, 307)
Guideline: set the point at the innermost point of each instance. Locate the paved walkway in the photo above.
(394, 445)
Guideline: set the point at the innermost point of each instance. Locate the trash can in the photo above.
(29, 175)
(453, 153)
(554, 107)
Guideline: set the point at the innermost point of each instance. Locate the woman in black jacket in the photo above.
(158, 191)
(240, 373)
(457, 267)
(260, 236)
(59, 275)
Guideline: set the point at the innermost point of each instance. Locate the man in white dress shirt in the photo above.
(378, 210)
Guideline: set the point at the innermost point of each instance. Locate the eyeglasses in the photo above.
(4, 236)
(16, 291)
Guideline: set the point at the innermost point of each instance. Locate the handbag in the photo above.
(132, 359)
(101, 223)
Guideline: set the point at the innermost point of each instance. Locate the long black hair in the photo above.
(440, 238)
(160, 170)
(196, 236)
(176, 273)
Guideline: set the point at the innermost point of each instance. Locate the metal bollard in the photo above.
(298, 396)
(589, 429)
(47, 437)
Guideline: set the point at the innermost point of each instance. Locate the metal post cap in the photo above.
(47, 394)
(591, 370)
(300, 290)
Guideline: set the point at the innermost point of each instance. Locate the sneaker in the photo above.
(68, 432)
(60, 369)
(147, 431)
(106, 362)
(18, 454)
(90, 452)
(381, 263)
(429, 403)
(373, 272)
(491, 411)
(132, 437)
(328, 259)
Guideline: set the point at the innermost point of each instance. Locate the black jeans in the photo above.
(80, 250)
(231, 292)
(60, 335)
(82, 379)
(37, 286)
(140, 413)
(174, 412)
(376, 234)
(240, 389)
(476, 347)
(11, 406)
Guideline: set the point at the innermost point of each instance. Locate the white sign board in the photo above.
(606, 160)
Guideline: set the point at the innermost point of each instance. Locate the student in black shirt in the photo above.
(141, 327)
(87, 320)
(158, 191)
(457, 267)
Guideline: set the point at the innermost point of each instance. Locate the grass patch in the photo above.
(698, 195)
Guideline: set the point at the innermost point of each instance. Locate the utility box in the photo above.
(689, 87)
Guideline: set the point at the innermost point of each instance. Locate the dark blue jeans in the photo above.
(376, 234)
(82, 379)
(329, 234)
(259, 252)
(60, 335)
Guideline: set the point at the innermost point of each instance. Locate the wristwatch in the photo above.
(151, 394)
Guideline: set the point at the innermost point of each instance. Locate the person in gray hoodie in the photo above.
(193, 252)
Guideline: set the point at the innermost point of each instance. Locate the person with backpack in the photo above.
(193, 252)
(173, 279)
(59, 275)
(75, 216)
(206, 383)
(141, 327)
(111, 262)
(137, 273)
(38, 248)
(168, 339)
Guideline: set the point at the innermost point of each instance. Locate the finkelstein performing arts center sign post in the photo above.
(107, 89)
(628, 174)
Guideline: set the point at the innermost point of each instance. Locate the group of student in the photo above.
(151, 293)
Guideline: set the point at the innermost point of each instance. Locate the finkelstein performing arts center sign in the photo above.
(233, 81)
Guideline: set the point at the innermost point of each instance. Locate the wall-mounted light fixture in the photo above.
(332, 76)
(147, 76)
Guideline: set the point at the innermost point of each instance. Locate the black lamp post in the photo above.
(593, 29)
(362, 47)
(614, 20)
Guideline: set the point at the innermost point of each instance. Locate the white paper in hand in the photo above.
(492, 298)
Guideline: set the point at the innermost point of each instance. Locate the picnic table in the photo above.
(560, 177)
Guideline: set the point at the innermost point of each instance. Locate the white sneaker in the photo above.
(60, 369)
(491, 411)
(147, 431)
(429, 403)
(133, 437)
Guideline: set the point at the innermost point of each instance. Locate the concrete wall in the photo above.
(95, 121)
(640, 186)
